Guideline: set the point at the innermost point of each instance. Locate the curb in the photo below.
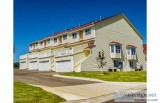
(79, 78)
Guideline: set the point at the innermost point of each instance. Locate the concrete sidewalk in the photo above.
(96, 92)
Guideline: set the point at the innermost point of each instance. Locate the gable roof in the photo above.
(89, 24)
(132, 26)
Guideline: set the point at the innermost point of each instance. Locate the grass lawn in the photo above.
(15, 67)
(131, 76)
(24, 93)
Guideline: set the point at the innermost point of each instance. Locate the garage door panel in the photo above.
(33, 65)
(64, 66)
(44, 65)
(23, 66)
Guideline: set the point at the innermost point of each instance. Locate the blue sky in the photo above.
(35, 19)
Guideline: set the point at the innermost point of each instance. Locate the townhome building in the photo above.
(76, 49)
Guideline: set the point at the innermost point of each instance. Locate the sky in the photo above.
(36, 19)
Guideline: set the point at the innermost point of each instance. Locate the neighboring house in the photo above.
(76, 49)
(145, 53)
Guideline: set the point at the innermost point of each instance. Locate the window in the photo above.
(44, 61)
(118, 49)
(48, 41)
(87, 31)
(74, 35)
(118, 64)
(41, 43)
(133, 51)
(55, 40)
(64, 37)
(23, 62)
(37, 44)
(112, 48)
(30, 45)
(131, 64)
(33, 61)
(129, 51)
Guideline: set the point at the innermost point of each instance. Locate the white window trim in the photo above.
(48, 41)
(66, 37)
(73, 36)
(130, 50)
(86, 33)
(114, 46)
(56, 40)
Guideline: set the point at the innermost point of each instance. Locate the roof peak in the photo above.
(79, 26)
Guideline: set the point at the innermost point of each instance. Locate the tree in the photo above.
(101, 60)
(16, 65)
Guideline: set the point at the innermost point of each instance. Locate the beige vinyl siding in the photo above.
(66, 40)
(52, 64)
(79, 55)
(37, 46)
(49, 44)
(41, 46)
(57, 43)
(92, 35)
(114, 29)
(79, 47)
(75, 39)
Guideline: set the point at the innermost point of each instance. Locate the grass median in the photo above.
(24, 93)
(131, 76)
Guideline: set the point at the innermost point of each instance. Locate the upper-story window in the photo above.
(112, 48)
(30, 45)
(74, 35)
(36, 43)
(64, 37)
(131, 51)
(41, 43)
(118, 48)
(55, 40)
(115, 49)
(48, 41)
(87, 31)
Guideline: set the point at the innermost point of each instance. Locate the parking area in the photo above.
(46, 79)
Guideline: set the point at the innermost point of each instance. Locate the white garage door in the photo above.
(64, 66)
(44, 65)
(23, 65)
(33, 65)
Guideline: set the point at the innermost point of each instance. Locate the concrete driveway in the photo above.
(74, 90)
(46, 79)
